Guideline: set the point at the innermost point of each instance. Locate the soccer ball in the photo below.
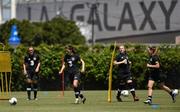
(175, 91)
(13, 101)
(125, 93)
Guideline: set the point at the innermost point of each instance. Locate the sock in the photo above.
(120, 88)
(171, 93)
(131, 88)
(76, 91)
(28, 89)
(35, 86)
(80, 93)
(149, 98)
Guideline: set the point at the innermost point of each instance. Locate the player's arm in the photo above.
(157, 65)
(120, 62)
(24, 69)
(38, 66)
(24, 66)
(83, 65)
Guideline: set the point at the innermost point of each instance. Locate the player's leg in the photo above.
(35, 89)
(132, 89)
(28, 88)
(150, 92)
(76, 90)
(168, 90)
(35, 85)
(121, 86)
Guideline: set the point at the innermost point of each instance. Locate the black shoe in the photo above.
(118, 99)
(136, 99)
(173, 97)
(148, 102)
(83, 100)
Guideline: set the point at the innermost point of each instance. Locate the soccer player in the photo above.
(71, 63)
(31, 68)
(124, 74)
(153, 66)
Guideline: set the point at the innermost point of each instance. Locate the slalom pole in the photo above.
(110, 75)
(62, 86)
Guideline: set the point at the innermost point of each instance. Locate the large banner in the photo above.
(110, 18)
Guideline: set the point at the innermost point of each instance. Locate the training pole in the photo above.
(62, 77)
(62, 80)
(110, 75)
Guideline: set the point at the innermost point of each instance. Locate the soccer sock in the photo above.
(76, 91)
(35, 86)
(149, 98)
(171, 93)
(80, 93)
(120, 88)
(28, 89)
(132, 90)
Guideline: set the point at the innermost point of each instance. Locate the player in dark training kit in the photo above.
(124, 74)
(153, 66)
(71, 64)
(31, 69)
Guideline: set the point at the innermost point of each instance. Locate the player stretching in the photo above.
(71, 63)
(31, 68)
(154, 76)
(124, 74)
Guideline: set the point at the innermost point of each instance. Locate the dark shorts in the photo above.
(32, 76)
(74, 75)
(157, 77)
(124, 77)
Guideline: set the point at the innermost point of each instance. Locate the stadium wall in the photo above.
(141, 21)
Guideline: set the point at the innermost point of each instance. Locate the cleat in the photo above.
(35, 98)
(173, 98)
(118, 99)
(136, 99)
(28, 99)
(76, 101)
(83, 100)
(174, 94)
(148, 102)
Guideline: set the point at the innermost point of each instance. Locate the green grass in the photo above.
(96, 102)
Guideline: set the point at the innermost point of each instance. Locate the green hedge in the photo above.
(56, 31)
(97, 60)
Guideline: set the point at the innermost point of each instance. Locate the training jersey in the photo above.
(31, 62)
(72, 61)
(123, 68)
(152, 61)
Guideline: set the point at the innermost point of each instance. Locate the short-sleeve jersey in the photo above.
(152, 61)
(31, 62)
(72, 61)
(123, 68)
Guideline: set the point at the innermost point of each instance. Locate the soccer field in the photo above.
(52, 101)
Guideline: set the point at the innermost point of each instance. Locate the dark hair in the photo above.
(71, 48)
(153, 49)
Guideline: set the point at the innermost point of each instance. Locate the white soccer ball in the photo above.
(175, 91)
(13, 101)
(125, 93)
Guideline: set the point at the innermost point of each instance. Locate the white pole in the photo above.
(1, 13)
(13, 9)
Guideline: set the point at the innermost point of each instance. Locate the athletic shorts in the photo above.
(74, 75)
(32, 76)
(124, 77)
(157, 77)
